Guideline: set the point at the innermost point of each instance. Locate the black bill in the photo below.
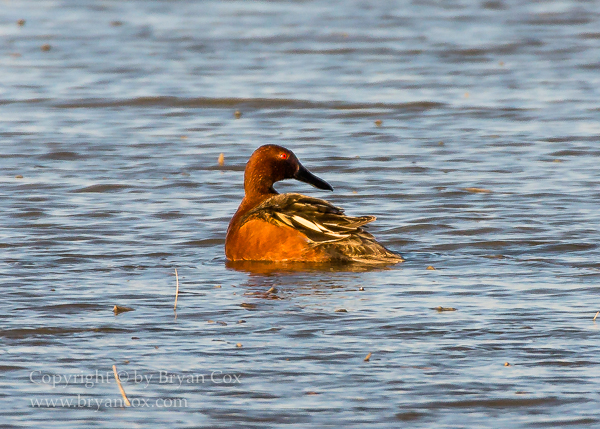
(306, 176)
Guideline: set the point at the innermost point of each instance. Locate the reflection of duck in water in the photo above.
(292, 227)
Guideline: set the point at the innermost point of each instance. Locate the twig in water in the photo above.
(596, 315)
(176, 290)
(127, 403)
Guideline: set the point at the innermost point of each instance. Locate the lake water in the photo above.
(485, 166)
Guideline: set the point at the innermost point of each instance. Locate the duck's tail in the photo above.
(363, 248)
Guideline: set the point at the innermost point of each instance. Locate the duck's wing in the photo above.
(317, 219)
(324, 225)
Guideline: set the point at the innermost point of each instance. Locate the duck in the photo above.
(291, 227)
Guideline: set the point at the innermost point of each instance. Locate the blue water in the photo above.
(484, 167)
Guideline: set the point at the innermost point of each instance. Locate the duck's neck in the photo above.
(258, 187)
(254, 197)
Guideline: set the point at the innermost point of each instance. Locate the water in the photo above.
(485, 166)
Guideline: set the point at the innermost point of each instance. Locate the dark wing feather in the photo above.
(319, 220)
(324, 225)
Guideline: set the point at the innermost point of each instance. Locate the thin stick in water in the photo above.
(127, 403)
(176, 290)
(596, 316)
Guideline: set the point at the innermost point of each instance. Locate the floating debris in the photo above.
(237, 114)
(221, 158)
(430, 268)
(116, 23)
(272, 290)
(378, 122)
(118, 309)
(494, 256)
(478, 190)
(218, 287)
(18, 176)
(440, 309)
(506, 364)
(239, 345)
(596, 316)
(21, 22)
(176, 290)
(247, 305)
(361, 288)
(221, 323)
(368, 357)
(310, 392)
(241, 321)
(341, 310)
(135, 338)
(127, 403)
(46, 47)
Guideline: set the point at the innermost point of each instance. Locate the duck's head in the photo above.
(271, 163)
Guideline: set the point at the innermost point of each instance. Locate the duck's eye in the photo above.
(283, 155)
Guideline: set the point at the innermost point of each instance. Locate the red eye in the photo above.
(283, 155)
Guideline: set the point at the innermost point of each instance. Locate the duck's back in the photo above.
(325, 227)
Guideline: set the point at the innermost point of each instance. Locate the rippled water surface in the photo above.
(470, 129)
